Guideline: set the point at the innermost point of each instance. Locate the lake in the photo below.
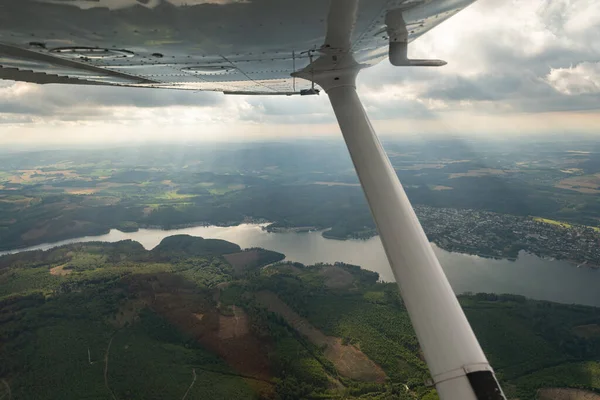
(529, 275)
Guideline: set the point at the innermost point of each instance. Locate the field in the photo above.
(241, 260)
(250, 259)
(552, 222)
(349, 361)
(561, 224)
(589, 184)
(336, 277)
(337, 184)
(478, 173)
(587, 331)
(440, 187)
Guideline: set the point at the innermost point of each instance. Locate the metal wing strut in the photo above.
(457, 363)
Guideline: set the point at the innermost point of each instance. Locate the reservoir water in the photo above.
(529, 275)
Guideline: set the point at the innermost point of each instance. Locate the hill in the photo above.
(192, 246)
(203, 317)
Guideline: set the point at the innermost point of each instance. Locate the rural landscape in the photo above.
(202, 318)
(196, 318)
(540, 198)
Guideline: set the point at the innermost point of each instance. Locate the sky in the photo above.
(515, 68)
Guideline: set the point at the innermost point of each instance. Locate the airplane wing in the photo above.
(270, 47)
(231, 46)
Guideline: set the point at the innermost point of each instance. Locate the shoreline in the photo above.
(265, 226)
(132, 230)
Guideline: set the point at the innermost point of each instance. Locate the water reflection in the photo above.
(530, 276)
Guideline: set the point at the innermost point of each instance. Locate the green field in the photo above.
(173, 195)
(560, 223)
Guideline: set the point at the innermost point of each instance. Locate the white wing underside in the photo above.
(232, 46)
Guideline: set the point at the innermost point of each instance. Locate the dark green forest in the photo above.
(113, 320)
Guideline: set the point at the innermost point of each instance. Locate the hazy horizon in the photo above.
(514, 69)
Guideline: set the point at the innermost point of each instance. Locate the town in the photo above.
(495, 235)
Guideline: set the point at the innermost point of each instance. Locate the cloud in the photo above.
(67, 102)
(502, 57)
(581, 79)
(313, 109)
(513, 63)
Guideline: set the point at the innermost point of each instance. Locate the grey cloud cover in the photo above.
(525, 56)
(504, 57)
(88, 101)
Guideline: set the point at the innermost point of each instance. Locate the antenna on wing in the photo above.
(398, 36)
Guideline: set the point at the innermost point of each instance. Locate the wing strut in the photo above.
(458, 366)
(451, 350)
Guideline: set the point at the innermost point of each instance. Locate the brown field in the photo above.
(230, 338)
(336, 277)
(81, 191)
(235, 326)
(148, 210)
(398, 154)
(99, 187)
(240, 261)
(571, 170)
(128, 312)
(199, 316)
(239, 186)
(348, 360)
(19, 201)
(587, 331)
(41, 230)
(101, 201)
(337, 184)
(566, 394)
(440, 187)
(478, 172)
(418, 167)
(35, 233)
(26, 175)
(438, 165)
(60, 270)
(583, 184)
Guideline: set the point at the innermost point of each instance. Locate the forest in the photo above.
(203, 317)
